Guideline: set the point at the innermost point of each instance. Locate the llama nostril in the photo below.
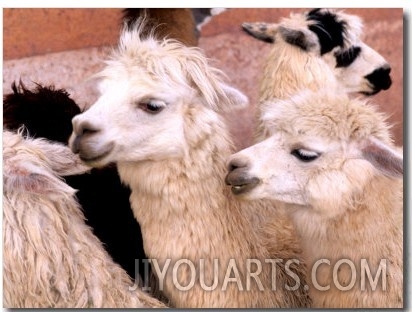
(237, 163)
(239, 177)
(81, 130)
(75, 145)
(86, 128)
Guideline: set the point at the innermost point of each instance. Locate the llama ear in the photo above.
(62, 160)
(66, 163)
(383, 157)
(261, 31)
(302, 39)
(35, 180)
(234, 98)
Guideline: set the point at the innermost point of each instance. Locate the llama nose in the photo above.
(239, 177)
(237, 163)
(380, 78)
(84, 127)
(81, 129)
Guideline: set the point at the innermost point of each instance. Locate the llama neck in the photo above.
(287, 71)
(187, 212)
(361, 231)
(188, 196)
(367, 235)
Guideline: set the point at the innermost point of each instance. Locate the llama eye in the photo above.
(305, 155)
(152, 106)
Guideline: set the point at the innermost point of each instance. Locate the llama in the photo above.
(46, 112)
(333, 36)
(182, 24)
(339, 177)
(158, 119)
(50, 256)
(313, 49)
(178, 23)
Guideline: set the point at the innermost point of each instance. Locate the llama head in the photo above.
(44, 111)
(335, 37)
(149, 89)
(34, 165)
(323, 151)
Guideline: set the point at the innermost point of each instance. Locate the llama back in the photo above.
(51, 258)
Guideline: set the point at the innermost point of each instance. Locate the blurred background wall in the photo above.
(64, 47)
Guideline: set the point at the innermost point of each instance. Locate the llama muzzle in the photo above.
(239, 179)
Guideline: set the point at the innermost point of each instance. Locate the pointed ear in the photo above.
(234, 99)
(208, 82)
(62, 160)
(65, 163)
(386, 159)
(305, 40)
(26, 178)
(261, 31)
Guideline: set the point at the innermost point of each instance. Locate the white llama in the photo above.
(51, 259)
(158, 119)
(313, 49)
(331, 163)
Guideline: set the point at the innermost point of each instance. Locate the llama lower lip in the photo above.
(88, 158)
(93, 159)
(238, 189)
(244, 188)
(372, 92)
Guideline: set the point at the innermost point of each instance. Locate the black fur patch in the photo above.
(45, 111)
(295, 37)
(380, 79)
(329, 31)
(344, 59)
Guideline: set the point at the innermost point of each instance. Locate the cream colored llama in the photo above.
(331, 162)
(158, 119)
(51, 259)
(313, 49)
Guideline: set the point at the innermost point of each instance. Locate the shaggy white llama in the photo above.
(158, 119)
(313, 49)
(332, 164)
(50, 257)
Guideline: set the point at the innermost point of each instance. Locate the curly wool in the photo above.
(50, 256)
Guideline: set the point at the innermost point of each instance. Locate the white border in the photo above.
(405, 4)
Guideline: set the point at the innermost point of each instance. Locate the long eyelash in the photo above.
(305, 155)
(157, 104)
(152, 106)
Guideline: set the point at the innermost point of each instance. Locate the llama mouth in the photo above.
(240, 184)
(243, 188)
(90, 157)
(370, 93)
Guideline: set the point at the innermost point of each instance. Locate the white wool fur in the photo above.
(51, 258)
(289, 68)
(345, 204)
